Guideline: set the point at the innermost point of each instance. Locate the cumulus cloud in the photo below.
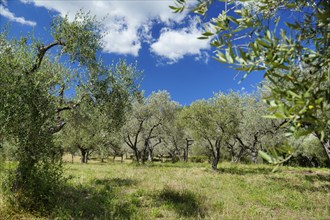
(11, 16)
(129, 23)
(174, 44)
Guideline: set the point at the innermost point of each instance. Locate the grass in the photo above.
(188, 191)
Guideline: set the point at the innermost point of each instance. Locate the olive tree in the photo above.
(32, 101)
(142, 131)
(254, 128)
(176, 137)
(213, 121)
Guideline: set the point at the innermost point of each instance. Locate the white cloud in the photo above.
(128, 23)
(175, 44)
(6, 13)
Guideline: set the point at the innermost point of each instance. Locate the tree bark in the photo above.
(185, 155)
(255, 156)
(215, 161)
(150, 154)
(172, 155)
(186, 150)
(232, 154)
(240, 155)
(136, 154)
(216, 158)
(326, 146)
(84, 155)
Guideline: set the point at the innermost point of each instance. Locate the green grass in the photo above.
(188, 191)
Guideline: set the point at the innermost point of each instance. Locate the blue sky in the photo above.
(164, 44)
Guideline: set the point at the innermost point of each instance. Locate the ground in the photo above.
(188, 191)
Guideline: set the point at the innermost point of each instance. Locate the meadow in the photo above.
(187, 191)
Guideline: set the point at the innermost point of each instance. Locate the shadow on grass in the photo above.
(99, 200)
(245, 170)
(115, 182)
(185, 203)
(318, 177)
(323, 183)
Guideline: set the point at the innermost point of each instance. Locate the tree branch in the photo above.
(41, 53)
(57, 127)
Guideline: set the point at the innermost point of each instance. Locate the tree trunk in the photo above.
(185, 155)
(172, 156)
(326, 146)
(136, 153)
(72, 156)
(186, 152)
(84, 155)
(150, 154)
(255, 156)
(240, 155)
(216, 159)
(232, 154)
(143, 156)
